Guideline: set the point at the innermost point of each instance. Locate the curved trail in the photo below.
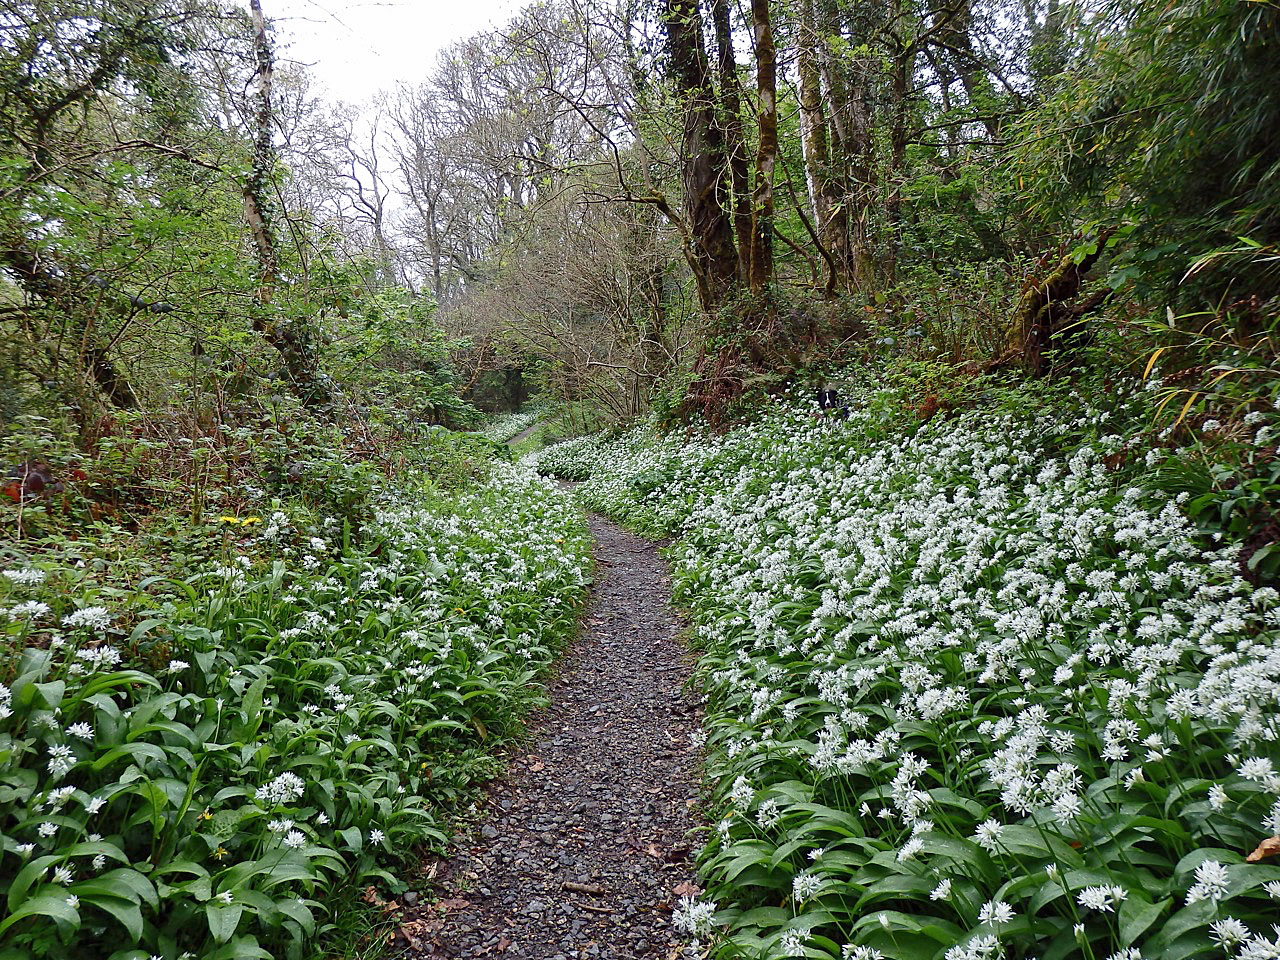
(512, 441)
(584, 849)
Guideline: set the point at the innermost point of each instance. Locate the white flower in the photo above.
(805, 886)
(286, 788)
(82, 730)
(942, 891)
(910, 849)
(1211, 882)
(768, 814)
(376, 836)
(63, 875)
(47, 829)
(995, 911)
(988, 834)
(696, 920)
(1103, 898)
(1217, 797)
(73, 901)
(26, 577)
(1228, 932)
(61, 760)
(96, 619)
(295, 840)
(791, 943)
(30, 610)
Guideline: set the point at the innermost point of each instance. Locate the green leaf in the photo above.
(126, 911)
(46, 905)
(241, 948)
(223, 919)
(1136, 915)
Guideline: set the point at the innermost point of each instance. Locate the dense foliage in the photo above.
(976, 686)
(210, 767)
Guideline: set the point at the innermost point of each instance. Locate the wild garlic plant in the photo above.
(974, 689)
(205, 768)
(507, 425)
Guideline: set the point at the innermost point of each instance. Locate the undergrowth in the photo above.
(980, 682)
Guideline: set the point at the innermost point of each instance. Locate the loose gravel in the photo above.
(586, 846)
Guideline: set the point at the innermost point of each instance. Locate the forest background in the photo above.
(224, 297)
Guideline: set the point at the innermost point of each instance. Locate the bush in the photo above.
(975, 688)
(210, 767)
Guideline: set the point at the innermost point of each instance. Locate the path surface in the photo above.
(519, 437)
(585, 849)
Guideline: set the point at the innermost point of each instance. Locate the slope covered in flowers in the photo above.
(208, 768)
(974, 688)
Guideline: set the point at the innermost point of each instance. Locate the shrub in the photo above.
(209, 767)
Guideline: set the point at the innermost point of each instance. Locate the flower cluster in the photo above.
(206, 772)
(1003, 689)
(502, 428)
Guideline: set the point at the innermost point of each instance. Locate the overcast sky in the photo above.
(357, 47)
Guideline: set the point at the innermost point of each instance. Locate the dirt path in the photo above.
(586, 840)
(519, 437)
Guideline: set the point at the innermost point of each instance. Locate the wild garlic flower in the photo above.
(95, 619)
(1211, 882)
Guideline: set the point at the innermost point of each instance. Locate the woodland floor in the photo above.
(524, 434)
(584, 847)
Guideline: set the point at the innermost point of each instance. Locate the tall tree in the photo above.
(293, 337)
(829, 212)
(715, 257)
(760, 264)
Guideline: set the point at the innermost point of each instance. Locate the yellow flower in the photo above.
(220, 853)
(206, 815)
(231, 520)
(248, 520)
(458, 610)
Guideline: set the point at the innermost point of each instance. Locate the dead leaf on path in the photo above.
(503, 943)
(417, 930)
(653, 851)
(535, 765)
(1267, 848)
(446, 906)
(687, 889)
(372, 897)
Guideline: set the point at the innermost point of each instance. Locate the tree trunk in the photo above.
(853, 159)
(292, 340)
(760, 264)
(903, 58)
(56, 286)
(731, 109)
(829, 213)
(714, 256)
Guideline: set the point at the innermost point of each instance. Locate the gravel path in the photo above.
(519, 437)
(585, 849)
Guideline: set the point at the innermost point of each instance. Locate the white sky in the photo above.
(356, 48)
